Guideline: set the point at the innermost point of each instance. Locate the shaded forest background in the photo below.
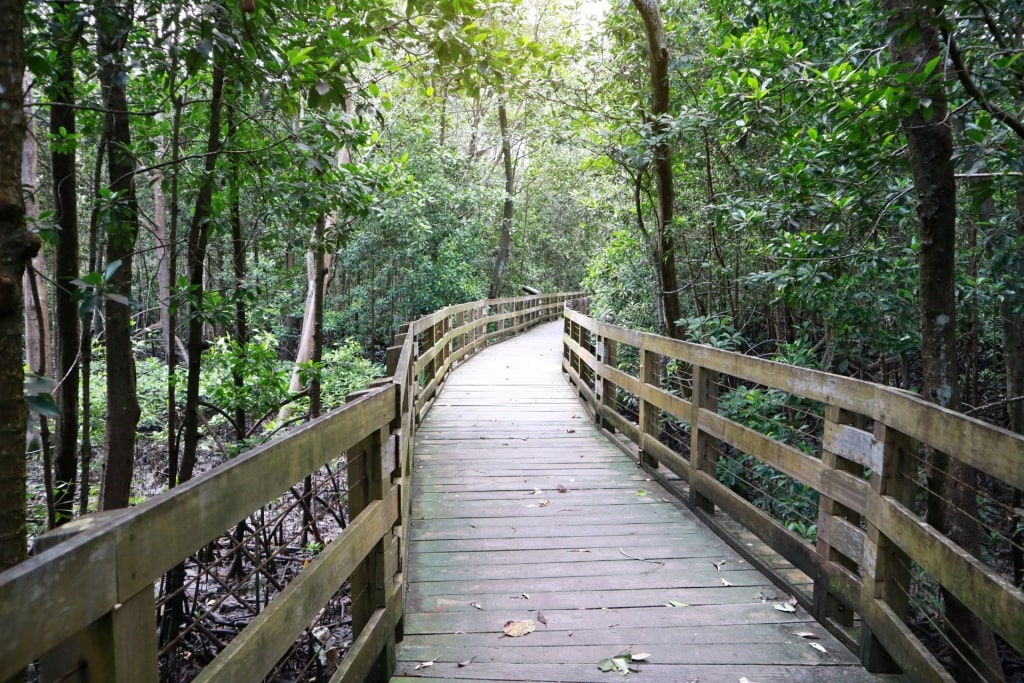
(240, 203)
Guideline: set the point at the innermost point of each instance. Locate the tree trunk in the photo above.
(952, 501)
(505, 236)
(663, 242)
(1011, 310)
(65, 201)
(37, 320)
(17, 246)
(112, 28)
(168, 313)
(239, 270)
(198, 239)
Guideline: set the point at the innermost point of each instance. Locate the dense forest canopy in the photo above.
(239, 203)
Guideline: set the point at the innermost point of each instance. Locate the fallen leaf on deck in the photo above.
(562, 488)
(570, 431)
(541, 618)
(535, 491)
(792, 600)
(543, 503)
(467, 662)
(806, 634)
(476, 605)
(719, 565)
(515, 629)
(726, 583)
(784, 607)
(424, 665)
(641, 492)
(621, 662)
(819, 648)
(675, 603)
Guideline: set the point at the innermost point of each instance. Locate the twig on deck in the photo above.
(640, 559)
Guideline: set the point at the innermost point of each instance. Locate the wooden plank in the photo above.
(75, 582)
(258, 647)
(853, 444)
(781, 456)
(152, 535)
(983, 446)
(361, 655)
(994, 599)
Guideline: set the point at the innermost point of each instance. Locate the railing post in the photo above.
(831, 515)
(371, 464)
(702, 456)
(120, 646)
(605, 388)
(886, 567)
(395, 350)
(649, 415)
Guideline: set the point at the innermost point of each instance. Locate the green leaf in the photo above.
(42, 404)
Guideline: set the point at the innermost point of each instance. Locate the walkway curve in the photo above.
(611, 564)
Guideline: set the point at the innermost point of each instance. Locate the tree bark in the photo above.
(198, 239)
(952, 501)
(1011, 310)
(17, 246)
(65, 201)
(663, 242)
(507, 207)
(112, 27)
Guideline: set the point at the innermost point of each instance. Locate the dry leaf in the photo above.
(806, 634)
(515, 629)
(640, 656)
(726, 583)
(675, 603)
(719, 565)
(562, 488)
(467, 662)
(792, 601)
(784, 607)
(819, 648)
(570, 431)
(535, 491)
(476, 605)
(543, 503)
(541, 618)
(424, 665)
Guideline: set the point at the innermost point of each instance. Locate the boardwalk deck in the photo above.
(493, 539)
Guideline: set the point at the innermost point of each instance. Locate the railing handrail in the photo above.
(99, 571)
(863, 522)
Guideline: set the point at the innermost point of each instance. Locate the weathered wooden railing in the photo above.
(87, 605)
(857, 444)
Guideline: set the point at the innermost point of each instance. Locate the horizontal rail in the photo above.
(83, 605)
(858, 450)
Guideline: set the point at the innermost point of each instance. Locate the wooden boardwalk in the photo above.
(494, 539)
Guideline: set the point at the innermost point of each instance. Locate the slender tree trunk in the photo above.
(952, 500)
(37, 320)
(663, 242)
(65, 200)
(239, 270)
(85, 350)
(170, 320)
(1011, 311)
(112, 27)
(198, 239)
(505, 236)
(17, 246)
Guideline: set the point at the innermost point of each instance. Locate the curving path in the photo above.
(612, 564)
